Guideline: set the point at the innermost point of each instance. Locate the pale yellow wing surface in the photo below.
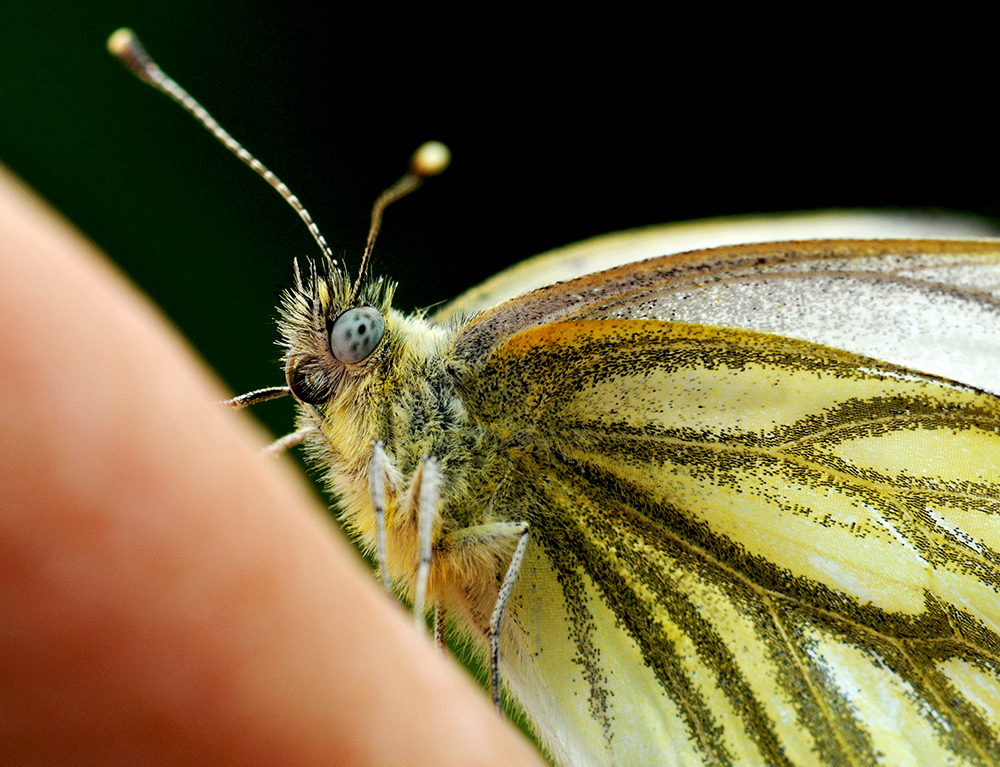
(746, 549)
(619, 248)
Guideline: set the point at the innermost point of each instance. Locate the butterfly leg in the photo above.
(429, 477)
(500, 609)
(256, 396)
(497, 538)
(425, 488)
(378, 467)
(263, 395)
(439, 626)
(289, 441)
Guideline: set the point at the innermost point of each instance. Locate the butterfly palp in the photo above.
(356, 333)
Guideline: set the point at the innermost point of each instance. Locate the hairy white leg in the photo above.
(500, 609)
(378, 467)
(429, 478)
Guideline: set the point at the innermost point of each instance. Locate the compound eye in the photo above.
(356, 333)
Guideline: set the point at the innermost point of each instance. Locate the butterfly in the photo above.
(732, 506)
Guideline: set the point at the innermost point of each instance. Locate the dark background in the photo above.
(563, 126)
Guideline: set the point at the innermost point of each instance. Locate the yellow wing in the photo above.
(747, 548)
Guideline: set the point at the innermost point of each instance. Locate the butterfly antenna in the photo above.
(430, 159)
(125, 46)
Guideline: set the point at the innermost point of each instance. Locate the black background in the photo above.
(563, 125)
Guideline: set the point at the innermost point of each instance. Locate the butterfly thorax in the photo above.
(402, 396)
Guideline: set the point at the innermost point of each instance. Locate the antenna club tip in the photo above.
(120, 41)
(430, 159)
(125, 46)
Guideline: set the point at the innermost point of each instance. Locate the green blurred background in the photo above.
(563, 125)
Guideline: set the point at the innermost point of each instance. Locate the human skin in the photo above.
(169, 595)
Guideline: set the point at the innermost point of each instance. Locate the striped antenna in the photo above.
(430, 158)
(125, 46)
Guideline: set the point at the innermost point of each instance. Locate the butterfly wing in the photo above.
(748, 548)
(929, 305)
(619, 248)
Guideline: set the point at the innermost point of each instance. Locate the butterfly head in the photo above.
(331, 338)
